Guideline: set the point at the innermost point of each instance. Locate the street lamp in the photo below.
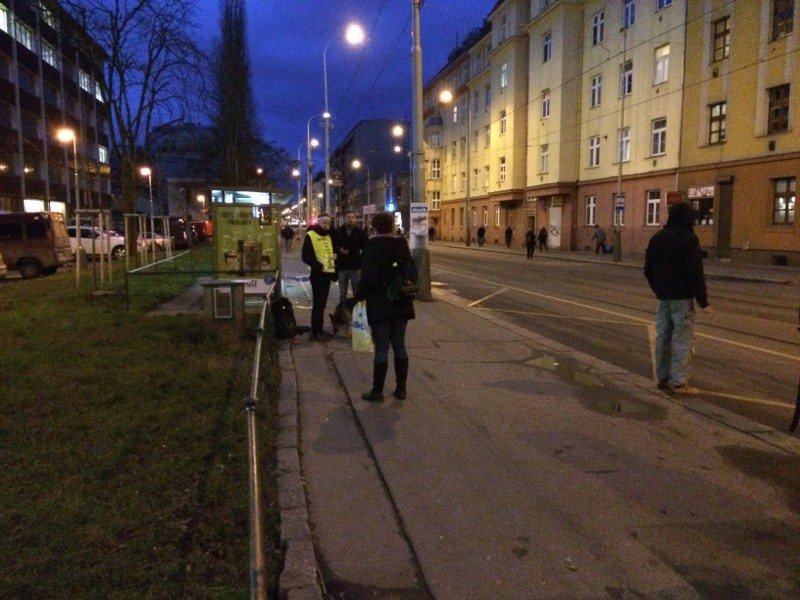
(148, 172)
(65, 135)
(296, 173)
(446, 97)
(354, 34)
(357, 164)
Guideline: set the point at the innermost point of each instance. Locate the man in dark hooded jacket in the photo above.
(674, 269)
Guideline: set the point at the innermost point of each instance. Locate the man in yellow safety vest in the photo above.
(319, 256)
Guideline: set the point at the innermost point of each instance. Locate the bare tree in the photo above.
(154, 71)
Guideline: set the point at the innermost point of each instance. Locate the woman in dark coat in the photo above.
(387, 319)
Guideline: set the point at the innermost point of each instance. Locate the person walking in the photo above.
(348, 243)
(318, 254)
(543, 240)
(673, 267)
(387, 319)
(287, 233)
(509, 236)
(530, 242)
(600, 236)
(481, 235)
(431, 233)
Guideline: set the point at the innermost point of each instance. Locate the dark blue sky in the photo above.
(286, 42)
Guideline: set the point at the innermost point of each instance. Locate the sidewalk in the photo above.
(516, 468)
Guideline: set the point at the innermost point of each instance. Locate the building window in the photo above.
(436, 200)
(487, 95)
(502, 168)
(544, 158)
(782, 18)
(49, 54)
(624, 144)
(722, 38)
(626, 78)
(436, 168)
(503, 123)
(619, 217)
(503, 31)
(455, 114)
(85, 81)
(485, 221)
(452, 216)
(590, 210)
(596, 90)
(462, 146)
(476, 100)
(503, 75)
(474, 181)
(658, 137)
(3, 18)
(661, 4)
(547, 47)
(628, 13)
(23, 34)
(661, 64)
(594, 151)
(598, 28)
(487, 136)
(461, 216)
(653, 206)
(463, 180)
(474, 217)
(497, 215)
(102, 154)
(545, 104)
(778, 109)
(486, 176)
(453, 150)
(783, 211)
(717, 122)
(435, 139)
(475, 141)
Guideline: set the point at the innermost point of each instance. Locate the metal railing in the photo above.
(258, 584)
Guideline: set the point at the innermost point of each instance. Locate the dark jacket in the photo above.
(673, 262)
(353, 239)
(309, 256)
(376, 266)
(542, 235)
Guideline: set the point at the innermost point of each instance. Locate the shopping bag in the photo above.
(362, 335)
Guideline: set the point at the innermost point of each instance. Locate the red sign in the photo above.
(674, 198)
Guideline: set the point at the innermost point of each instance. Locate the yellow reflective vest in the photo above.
(323, 249)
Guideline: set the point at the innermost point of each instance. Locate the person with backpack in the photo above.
(543, 240)
(530, 242)
(388, 277)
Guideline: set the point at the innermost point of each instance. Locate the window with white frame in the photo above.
(596, 91)
(547, 47)
(503, 123)
(486, 176)
(626, 78)
(485, 221)
(658, 136)
(487, 136)
(435, 139)
(474, 181)
(661, 64)
(590, 210)
(628, 13)
(3, 18)
(598, 28)
(455, 114)
(102, 154)
(783, 201)
(661, 4)
(502, 32)
(98, 91)
(619, 217)
(544, 158)
(23, 34)
(502, 168)
(546, 104)
(717, 122)
(594, 151)
(722, 38)
(436, 200)
(503, 75)
(474, 217)
(653, 207)
(778, 116)
(49, 54)
(48, 15)
(497, 215)
(85, 81)
(436, 168)
(624, 144)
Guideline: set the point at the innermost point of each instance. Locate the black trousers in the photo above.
(320, 286)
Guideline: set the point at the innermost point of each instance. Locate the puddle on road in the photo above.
(780, 470)
(595, 393)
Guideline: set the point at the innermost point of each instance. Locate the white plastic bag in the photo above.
(362, 335)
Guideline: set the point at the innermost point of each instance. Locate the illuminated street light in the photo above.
(65, 135)
(357, 164)
(148, 172)
(446, 97)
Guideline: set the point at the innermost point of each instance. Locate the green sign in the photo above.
(246, 243)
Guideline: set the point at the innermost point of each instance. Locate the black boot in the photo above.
(401, 374)
(378, 377)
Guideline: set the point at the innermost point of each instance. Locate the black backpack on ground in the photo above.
(283, 320)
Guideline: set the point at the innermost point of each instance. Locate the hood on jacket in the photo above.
(682, 216)
(395, 247)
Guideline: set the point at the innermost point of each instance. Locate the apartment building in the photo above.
(50, 78)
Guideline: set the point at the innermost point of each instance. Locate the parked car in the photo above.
(96, 243)
(3, 268)
(156, 238)
(34, 243)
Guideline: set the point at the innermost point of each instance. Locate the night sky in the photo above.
(286, 42)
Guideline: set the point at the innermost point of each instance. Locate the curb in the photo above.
(298, 579)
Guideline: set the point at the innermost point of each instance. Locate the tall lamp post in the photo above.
(148, 172)
(446, 97)
(297, 174)
(311, 143)
(354, 34)
(65, 135)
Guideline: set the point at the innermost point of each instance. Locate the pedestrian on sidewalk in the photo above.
(509, 236)
(348, 244)
(674, 269)
(318, 254)
(431, 233)
(543, 240)
(387, 319)
(481, 235)
(530, 242)
(600, 236)
(287, 233)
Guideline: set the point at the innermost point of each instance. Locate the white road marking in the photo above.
(487, 297)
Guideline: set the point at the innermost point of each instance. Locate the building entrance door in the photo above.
(554, 228)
